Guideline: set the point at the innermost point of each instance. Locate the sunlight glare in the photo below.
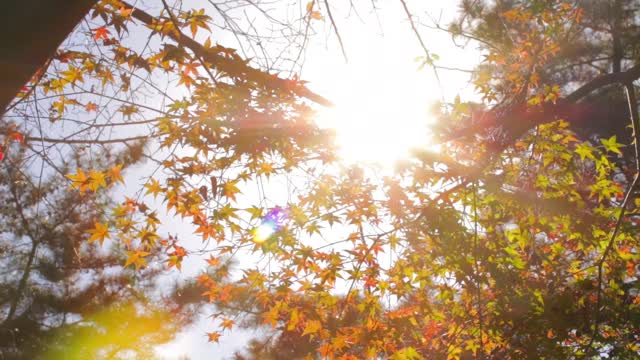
(263, 232)
(379, 121)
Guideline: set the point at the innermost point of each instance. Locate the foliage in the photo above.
(510, 242)
(63, 297)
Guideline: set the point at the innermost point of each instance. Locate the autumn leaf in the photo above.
(115, 173)
(99, 233)
(91, 106)
(309, 6)
(72, 74)
(213, 337)
(153, 188)
(96, 180)
(101, 33)
(125, 12)
(79, 180)
(174, 260)
(227, 324)
(230, 190)
(213, 261)
(136, 258)
(312, 327)
(316, 15)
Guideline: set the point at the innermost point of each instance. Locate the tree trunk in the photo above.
(30, 33)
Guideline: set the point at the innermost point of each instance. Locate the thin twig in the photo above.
(424, 47)
(335, 30)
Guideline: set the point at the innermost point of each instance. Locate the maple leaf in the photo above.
(99, 232)
(213, 337)
(72, 75)
(174, 260)
(312, 327)
(91, 106)
(101, 33)
(230, 190)
(612, 145)
(125, 12)
(79, 180)
(136, 258)
(227, 324)
(115, 173)
(186, 80)
(213, 261)
(584, 150)
(190, 69)
(96, 179)
(153, 188)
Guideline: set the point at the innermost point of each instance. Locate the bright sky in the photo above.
(382, 105)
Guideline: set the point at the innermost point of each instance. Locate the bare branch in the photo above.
(335, 30)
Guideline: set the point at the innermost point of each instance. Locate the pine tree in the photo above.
(62, 297)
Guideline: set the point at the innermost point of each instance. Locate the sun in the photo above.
(378, 121)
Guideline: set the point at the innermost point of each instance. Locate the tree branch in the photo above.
(335, 30)
(87, 141)
(232, 65)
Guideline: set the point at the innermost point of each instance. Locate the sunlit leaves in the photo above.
(612, 145)
(79, 180)
(445, 256)
(213, 337)
(101, 33)
(230, 190)
(311, 327)
(153, 188)
(136, 258)
(95, 179)
(99, 233)
(72, 75)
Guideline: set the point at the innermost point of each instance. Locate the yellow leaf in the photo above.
(294, 318)
(99, 232)
(136, 258)
(72, 75)
(153, 188)
(96, 179)
(316, 15)
(79, 180)
(230, 190)
(312, 327)
(115, 173)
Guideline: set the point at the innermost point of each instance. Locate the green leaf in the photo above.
(612, 145)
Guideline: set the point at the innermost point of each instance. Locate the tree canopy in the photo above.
(517, 238)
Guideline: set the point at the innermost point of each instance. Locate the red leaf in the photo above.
(101, 33)
(17, 137)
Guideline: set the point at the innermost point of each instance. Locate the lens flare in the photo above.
(263, 232)
(273, 221)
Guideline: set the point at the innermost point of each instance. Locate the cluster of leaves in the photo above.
(63, 297)
(474, 251)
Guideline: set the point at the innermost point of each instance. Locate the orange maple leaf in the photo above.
(91, 106)
(227, 324)
(99, 232)
(101, 33)
(213, 337)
